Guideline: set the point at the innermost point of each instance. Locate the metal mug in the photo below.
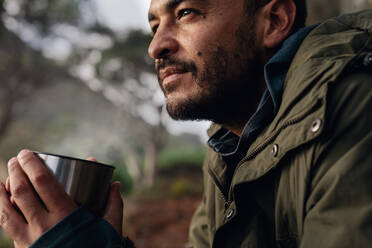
(86, 182)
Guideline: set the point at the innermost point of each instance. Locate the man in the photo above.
(289, 160)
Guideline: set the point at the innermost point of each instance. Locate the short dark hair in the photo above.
(301, 10)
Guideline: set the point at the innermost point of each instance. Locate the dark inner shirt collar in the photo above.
(277, 67)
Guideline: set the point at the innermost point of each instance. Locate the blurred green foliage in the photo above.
(5, 241)
(184, 187)
(126, 182)
(170, 160)
(181, 156)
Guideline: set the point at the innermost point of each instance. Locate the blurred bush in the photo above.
(5, 241)
(181, 156)
(183, 187)
(122, 175)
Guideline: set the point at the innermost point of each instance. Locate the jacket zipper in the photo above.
(219, 187)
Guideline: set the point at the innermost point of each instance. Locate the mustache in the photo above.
(181, 65)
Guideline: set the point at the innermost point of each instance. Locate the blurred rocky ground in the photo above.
(160, 217)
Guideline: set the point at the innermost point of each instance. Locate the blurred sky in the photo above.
(124, 14)
(132, 14)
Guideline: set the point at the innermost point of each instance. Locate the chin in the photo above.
(190, 108)
(181, 109)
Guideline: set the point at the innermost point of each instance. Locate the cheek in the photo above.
(207, 52)
(202, 40)
(217, 35)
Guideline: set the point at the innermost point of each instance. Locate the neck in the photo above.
(237, 126)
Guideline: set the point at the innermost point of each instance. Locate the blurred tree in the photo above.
(109, 62)
(22, 71)
(348, 6)
(319, 10)
(126, 69)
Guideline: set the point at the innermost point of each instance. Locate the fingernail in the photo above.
(117, 185)
(12, 161)
(23, 153)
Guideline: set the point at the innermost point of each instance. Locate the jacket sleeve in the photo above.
(339, 203)
(82, 229)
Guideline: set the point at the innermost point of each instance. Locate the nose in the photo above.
(163, 44)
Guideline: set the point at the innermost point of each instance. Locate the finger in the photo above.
(7, 188)
(46, 184)
(13, 201)
(23, 194)
(10, 220)
(7, 185)
(11, 198)
(114, 208)
(93, 159)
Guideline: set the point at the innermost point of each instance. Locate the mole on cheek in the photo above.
(199, 53)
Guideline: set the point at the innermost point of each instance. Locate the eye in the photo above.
(154, 29)
(185, 12)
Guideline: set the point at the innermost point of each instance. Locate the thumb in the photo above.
(114, 208)
(93, 159)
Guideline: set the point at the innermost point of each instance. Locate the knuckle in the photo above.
(12, 161)
(27, 159)
(19, 190)
(41, 178)
(12, 166)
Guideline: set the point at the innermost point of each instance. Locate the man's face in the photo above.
(205, 56)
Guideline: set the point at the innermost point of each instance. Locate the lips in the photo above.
(167, 72)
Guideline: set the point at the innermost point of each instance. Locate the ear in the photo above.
(279, 17)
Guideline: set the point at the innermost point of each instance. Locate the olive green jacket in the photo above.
(306, 181)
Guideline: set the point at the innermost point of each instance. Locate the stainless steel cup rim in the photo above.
(72, 158)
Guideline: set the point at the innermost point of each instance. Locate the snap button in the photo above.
(226, 205)
(367, 59)
(275, 150)
(230, 213)
(315, 126)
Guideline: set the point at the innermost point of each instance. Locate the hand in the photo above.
(37, 201)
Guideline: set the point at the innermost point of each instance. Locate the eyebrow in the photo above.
(172, 4)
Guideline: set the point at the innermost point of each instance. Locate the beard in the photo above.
(228, 89)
